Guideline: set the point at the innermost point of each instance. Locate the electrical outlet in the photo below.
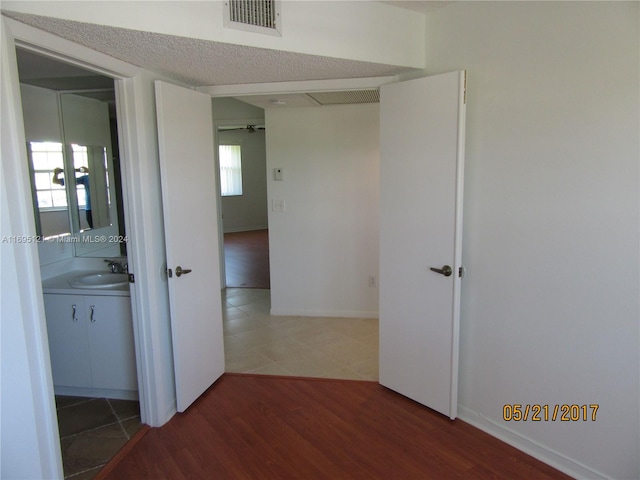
(373, 282)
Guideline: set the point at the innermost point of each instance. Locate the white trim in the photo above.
(146, 301)
(528, 446)
(39, 41)
(97, 393)
(334, 85)
(457, 245)
(30, 304)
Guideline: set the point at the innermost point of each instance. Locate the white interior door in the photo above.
(421, 166)
(189, 200)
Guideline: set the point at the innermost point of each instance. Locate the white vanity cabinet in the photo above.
(91, 344)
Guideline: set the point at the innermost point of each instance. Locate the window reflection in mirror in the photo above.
(50, 197)
(91, 182)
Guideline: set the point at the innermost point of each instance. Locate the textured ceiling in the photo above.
(201, 62)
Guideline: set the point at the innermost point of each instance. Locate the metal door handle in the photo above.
(181, 271)
(446, 270)
(93, 314)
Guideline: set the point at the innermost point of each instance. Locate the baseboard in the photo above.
(292, 312)
(96, 392)
(531, 447)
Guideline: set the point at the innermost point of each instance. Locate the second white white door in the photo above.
(189, 201)
(421, 166)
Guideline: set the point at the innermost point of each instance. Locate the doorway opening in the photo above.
(241, 151)
(71, 127)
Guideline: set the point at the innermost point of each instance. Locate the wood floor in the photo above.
(246, 257)
(262, 427)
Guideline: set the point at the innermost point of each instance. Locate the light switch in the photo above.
(278, 173)
(277, 205)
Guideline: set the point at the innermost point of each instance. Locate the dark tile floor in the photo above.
(92, 430)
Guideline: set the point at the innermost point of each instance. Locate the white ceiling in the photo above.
(195, 62)
(201, 62)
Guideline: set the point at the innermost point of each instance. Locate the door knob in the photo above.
(181, 271)
(446, 270)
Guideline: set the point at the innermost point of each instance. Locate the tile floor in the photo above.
(92, 430)
(257, 342)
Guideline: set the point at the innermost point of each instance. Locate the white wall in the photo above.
(249, 210)
(229, 111)
(550, 301)
(324, 246)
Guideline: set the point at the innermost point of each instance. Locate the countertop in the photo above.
(60, 284)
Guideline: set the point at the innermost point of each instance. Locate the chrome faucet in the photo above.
(117, 267)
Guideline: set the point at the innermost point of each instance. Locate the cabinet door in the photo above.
(111, 342)
(68, 341)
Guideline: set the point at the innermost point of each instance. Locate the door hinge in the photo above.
(132, 278)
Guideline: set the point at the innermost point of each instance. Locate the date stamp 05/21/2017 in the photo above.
(516, 412)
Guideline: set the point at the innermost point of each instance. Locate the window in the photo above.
(230, 170)
(45, 158)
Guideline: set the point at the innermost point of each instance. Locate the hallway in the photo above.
(246, 257)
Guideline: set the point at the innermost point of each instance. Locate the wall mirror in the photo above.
(71, 132)
(85, 202)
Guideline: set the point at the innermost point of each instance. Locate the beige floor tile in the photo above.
(257, 342)
(368, 369)
(309, 364)
(258, 337)
(347, 352)
(241, 325)
(320, 337)
(231, 313)
(273, 369)
(245, 362)
(282, 349)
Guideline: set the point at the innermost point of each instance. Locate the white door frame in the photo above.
(153, 408)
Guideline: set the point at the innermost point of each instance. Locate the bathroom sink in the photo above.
(100, 280)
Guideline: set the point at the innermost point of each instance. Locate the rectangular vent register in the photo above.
(260, 16)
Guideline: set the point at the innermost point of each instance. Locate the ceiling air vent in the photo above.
(260, 16)
(346, 97)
